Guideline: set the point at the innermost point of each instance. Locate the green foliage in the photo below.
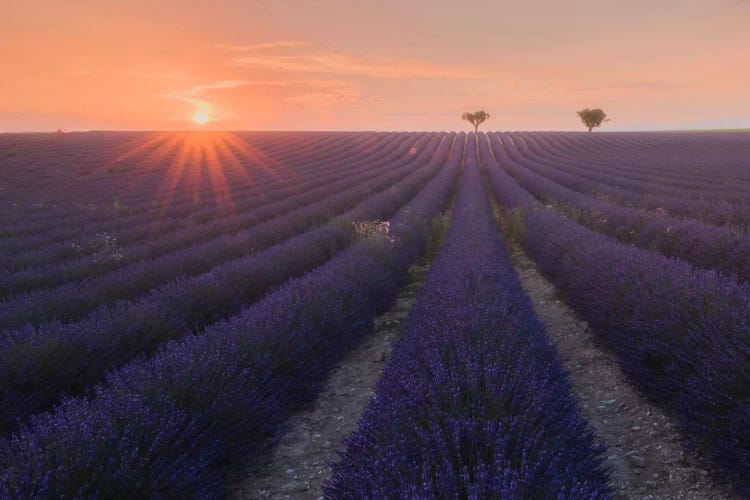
(120, 209)
(512, 224)
(476, 118)
(436, 233)
(592, 117)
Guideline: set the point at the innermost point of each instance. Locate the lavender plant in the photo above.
(168, 425)
(474, 402)
(37, 366)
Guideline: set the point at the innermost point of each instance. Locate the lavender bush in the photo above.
(168, 425)
(37, 366)
(474, 402)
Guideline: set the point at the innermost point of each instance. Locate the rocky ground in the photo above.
(300, 464)
(644, 450)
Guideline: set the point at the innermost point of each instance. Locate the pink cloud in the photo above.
(260, 46)
(370, 66)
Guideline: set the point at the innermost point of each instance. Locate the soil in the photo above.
(300, 464)
(644, 449)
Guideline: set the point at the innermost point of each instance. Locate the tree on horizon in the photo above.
(592, 117)
(476, 118)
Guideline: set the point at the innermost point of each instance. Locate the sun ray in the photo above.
(261, 160)
(219, 186)
(197, 166)
(175, 172)
(233, 164)
(137, 147)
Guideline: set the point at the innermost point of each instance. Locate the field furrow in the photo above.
(153, 424)
(191, 315)
(255, 186)
(681, 334)
(703, 245)
(245, 215)
(474, 402)
(37, 366)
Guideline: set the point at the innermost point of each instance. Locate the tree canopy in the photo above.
(476, 118)
(592, 117)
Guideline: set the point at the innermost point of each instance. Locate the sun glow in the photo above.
(187, 159)
(200, 117)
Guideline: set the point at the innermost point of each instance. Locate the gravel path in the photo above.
(299, 464)
(644, 447)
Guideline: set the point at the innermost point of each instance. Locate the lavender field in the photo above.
(170, 301)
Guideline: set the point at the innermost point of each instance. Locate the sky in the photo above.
(381, 65)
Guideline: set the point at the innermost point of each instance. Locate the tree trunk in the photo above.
(476, 128)
(591, 128)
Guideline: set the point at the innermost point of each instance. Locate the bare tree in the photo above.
(476, 119)
(592, 117)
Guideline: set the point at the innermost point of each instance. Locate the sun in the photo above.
(200, 117)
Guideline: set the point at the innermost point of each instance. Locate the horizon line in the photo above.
(84, 131)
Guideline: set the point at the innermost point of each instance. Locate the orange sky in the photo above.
(339, 65)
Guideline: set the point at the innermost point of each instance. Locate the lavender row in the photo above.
(145, 167)
(37, 366)
(170, 425)
(680, 333)
(474, 402)
(72, 246)
(72, 301)
(712, 213)
(104, 183)
(611, 170)
(703, 245)
(664, 166)
(716, 211)
(503, 185)
(713, 162)
(167, 167)
(633, 171)
(701, 148)
(126, 223)
(110, 256)
(90, 246)
(590, 174)
(267, 186)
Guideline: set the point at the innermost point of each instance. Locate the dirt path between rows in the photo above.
(644, 450)
(299, 464)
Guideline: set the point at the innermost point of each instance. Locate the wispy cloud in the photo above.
(324, 100)
(218, 85)
(636, 86)
(191, 93)
(318, 94)
(370, 66)
(194, 93)
(322, 94)
(260, 46)
(66, 72)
